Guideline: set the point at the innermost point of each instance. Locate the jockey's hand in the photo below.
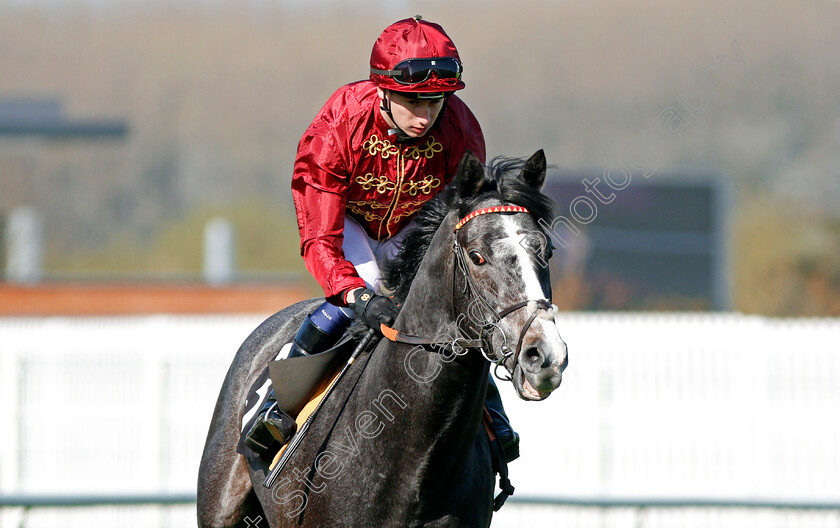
(371, 308)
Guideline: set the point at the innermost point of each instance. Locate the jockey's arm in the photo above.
(319, 190)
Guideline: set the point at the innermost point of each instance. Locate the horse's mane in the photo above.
(501, 182)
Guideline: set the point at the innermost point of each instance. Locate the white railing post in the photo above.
(219, 252)
(24, 246)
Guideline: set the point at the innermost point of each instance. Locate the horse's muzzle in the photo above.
(541, 362)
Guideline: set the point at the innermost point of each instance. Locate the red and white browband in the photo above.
(496, 209)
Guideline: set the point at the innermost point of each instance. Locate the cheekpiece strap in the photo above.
(495, 209)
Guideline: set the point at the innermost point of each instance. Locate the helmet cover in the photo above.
(413, 38)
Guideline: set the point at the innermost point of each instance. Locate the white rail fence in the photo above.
(653, 405)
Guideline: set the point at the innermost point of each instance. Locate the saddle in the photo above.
(295, 382)
(308, 407)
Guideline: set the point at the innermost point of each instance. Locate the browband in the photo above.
(495, 209)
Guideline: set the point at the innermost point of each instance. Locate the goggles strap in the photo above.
(389, 73)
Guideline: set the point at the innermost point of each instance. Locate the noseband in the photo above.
(459, 346)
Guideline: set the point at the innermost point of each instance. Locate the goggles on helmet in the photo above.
(414, 71)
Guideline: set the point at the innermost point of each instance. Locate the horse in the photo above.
(400, 441)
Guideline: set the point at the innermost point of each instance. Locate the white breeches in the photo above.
(368, 255)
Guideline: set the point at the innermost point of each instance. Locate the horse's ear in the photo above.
(470, 176)
(533, 172)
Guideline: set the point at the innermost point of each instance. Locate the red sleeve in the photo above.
(319, 186)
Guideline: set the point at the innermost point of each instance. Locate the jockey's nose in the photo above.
(423, 112)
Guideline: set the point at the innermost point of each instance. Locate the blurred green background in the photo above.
(216, 96)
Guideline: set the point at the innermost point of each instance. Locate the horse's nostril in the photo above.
(532, 355)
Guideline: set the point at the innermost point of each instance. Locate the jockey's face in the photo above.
(412, 115)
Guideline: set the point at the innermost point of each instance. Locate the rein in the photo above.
(459, 345)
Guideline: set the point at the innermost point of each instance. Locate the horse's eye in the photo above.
(476, 257)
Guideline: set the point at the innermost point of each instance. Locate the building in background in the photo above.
(634, 239)
(37, 141)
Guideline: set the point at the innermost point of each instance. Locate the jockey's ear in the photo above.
(470, 175)
(533, 172)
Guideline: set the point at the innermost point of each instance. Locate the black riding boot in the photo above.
(320, 330)
(508, 437)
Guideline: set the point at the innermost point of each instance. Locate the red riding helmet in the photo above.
(415, 56)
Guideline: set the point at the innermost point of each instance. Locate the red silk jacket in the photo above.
(348, 164)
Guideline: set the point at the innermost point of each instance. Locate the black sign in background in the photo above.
(660, 242)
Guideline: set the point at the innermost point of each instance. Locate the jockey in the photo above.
(375, 153)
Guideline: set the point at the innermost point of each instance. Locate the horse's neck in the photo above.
(428, 308)
(448, 392)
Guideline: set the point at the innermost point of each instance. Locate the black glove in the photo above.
(374, 309)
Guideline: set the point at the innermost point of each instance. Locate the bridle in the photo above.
(459, 345)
